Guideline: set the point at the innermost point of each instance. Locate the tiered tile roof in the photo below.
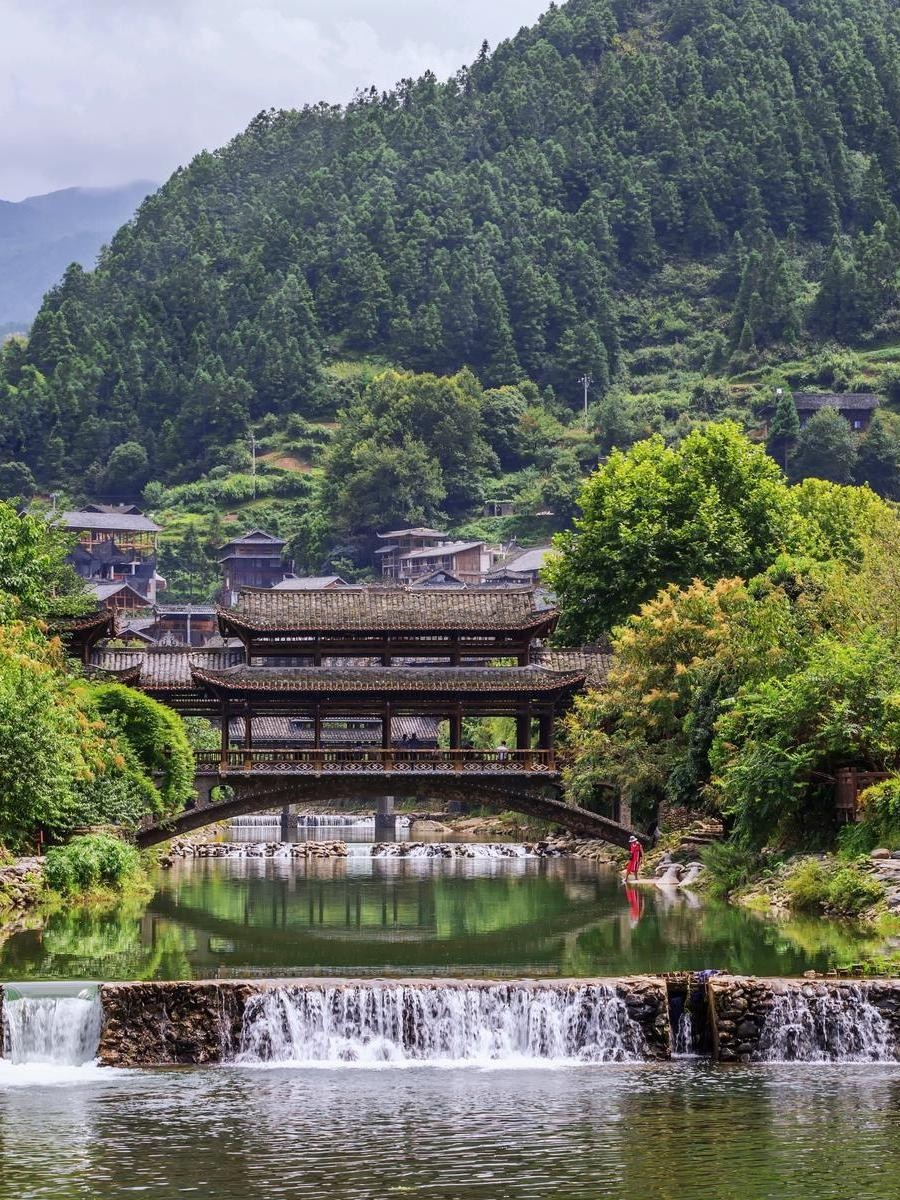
(377, 610)
(162, 668)
(386, 680)
(594, 665)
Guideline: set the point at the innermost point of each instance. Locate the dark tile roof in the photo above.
(376, 610)
(384, 680)
(96, 619)
(164, 668)
(420, 532)
(851, 401)
(124, 522)
(593, 664)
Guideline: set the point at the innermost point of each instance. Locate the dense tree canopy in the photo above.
(71, 752)
(714, 506)
(743, 698)
(517, 219)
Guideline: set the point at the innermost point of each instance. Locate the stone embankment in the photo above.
(885, 866)
(163, 1024)
(305, 850)
(753, 1020)
(21, 885)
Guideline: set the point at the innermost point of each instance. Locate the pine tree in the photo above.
(784, 429)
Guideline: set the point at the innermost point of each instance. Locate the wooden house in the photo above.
(254, 560)
(114, 545)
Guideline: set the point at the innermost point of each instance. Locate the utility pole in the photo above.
(253, 460)
(586, 380)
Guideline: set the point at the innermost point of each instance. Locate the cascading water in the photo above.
(312, 821)
(51, 1023)
(684, 1036)
(838, 1024)
(450, 850)
(439, 1023)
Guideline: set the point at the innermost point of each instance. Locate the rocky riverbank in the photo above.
(21, 885)
(300, 850)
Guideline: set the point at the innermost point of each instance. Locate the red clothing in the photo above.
(634, 859)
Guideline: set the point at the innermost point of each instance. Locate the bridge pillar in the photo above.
(385, 820)
(290, 826)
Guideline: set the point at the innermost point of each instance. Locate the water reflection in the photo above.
(685, 1132)
(360, 916)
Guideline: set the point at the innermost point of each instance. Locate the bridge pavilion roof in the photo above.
(372, 611)
(327, 681)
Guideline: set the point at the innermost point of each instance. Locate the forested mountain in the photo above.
(41, 235)
(628, 183)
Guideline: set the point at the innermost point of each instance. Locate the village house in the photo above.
(468, 561)
(857, 408)
(400, 542)
(254, 560)
(114, 545)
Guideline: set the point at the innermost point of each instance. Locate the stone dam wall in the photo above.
(645, 1018)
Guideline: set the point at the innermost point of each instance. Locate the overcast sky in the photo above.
(96, 92)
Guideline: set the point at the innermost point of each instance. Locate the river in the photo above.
(517, 1127)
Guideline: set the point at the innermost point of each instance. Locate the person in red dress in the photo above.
(635, 858)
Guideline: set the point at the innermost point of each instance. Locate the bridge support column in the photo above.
(385, 820)
(290, 826)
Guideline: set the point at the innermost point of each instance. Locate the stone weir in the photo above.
(646, 1018)
(808, 1020)
(317, 1020)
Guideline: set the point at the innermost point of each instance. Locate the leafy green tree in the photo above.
(16, 481)
(714, 506)
(826, 449)
(878, 460)
(34, 579)
(126, 472)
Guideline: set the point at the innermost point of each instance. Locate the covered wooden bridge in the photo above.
(323, 663)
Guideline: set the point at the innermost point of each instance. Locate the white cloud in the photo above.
(95, 92)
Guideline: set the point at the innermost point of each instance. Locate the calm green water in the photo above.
(360, 916)
(683, 1132)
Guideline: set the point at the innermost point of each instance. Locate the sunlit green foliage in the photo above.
(91, 861)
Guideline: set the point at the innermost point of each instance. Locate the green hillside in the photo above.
(675, 196)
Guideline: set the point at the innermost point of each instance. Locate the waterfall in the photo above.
(450, 1023)
(449, 850)
(51, 1023)
(837, 1024)
(684, 1035)
(312, 821)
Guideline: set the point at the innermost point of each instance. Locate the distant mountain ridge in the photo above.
(41, 235)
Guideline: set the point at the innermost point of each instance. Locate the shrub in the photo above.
(731, 866)
(90, 861)
(880, 807)
(831, 886)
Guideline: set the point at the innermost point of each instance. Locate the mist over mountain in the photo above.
(41, 235)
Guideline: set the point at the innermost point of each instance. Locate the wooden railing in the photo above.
(373, 760)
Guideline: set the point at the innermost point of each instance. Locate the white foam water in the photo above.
(450, 850)
(837, 1024)
(475, 1024)
(684, 1036)
(312, 821)
(51, 1023)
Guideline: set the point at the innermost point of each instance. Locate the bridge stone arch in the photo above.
(248, 796)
